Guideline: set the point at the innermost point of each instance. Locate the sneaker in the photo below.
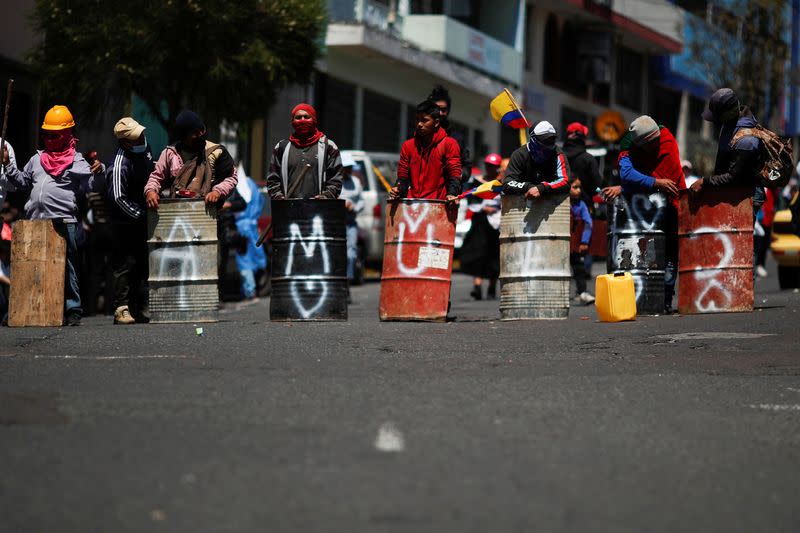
(123, 316)
(586, 298)
(72, 319)
(761, 272)
(476, 292)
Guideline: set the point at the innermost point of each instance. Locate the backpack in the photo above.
(776, 155)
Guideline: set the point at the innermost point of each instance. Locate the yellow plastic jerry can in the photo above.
(616, 297)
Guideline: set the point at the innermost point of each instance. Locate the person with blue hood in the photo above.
(539, 168)
(738, 162)
(251, 258)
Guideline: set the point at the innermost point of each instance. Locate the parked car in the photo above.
(786, 249)
(377, 171)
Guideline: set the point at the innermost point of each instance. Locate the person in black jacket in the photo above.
(737, 164)
(126, 176)
(539, 168)
(581, 163)
(441, 97)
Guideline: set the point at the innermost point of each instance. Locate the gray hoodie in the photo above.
(54, 197)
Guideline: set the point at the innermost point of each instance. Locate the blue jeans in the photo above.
(352, 250)
(248, 284)
(72, 293)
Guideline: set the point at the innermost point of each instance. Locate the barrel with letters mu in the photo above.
(715, 247)
(417, 260)
(534, 258)
(309, 261)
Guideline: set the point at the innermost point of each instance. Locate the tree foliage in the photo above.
(225, 59)
(743, 46)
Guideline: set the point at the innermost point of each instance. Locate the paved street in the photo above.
(665, 424)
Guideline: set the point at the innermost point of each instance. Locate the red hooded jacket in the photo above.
(431, 172)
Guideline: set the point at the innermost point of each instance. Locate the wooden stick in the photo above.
(523, 133)
(5, 122)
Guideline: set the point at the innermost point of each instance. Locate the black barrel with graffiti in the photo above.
(309, 261)
(637, 244)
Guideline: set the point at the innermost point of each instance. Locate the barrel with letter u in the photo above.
(417, 260)
(534, 258)
(309, 261)
(715, 238)
(637, 244)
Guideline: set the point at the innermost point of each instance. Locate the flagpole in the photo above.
(523, 132)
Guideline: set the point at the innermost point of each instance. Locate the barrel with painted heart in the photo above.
(715, 236)
(534, 258)
(637, 244)
(309, 261)
(417, 260)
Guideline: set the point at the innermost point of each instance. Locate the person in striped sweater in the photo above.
(126, 176)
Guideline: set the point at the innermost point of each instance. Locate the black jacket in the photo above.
(523, 173)
(126, 176)
(584, 167)
(738, 165)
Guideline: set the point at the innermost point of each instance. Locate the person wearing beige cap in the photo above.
(125, 178)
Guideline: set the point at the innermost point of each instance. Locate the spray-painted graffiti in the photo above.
(180, 263)
(414, 215)
(706, 301)
(304, 290)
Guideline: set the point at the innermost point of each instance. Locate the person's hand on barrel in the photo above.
(212, 197)
(667, 187)
(609, 193)
(533, 193)
(451, 199)
(697, 186)
(151, 199)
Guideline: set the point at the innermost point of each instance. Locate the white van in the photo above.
(377, 171)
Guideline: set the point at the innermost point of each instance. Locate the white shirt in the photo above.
(4, 185)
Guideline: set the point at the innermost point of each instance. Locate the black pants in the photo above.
(129, 260)
(578, 271)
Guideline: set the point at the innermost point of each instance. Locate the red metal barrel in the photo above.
(417, 260)
(715, 235)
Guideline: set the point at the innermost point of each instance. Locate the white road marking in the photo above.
(712, 335)
(390, 439)
(111, 357)
(775, 407)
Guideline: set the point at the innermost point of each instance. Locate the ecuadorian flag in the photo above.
(505, 109)
(487, 190)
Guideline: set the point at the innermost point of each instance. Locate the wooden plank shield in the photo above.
(38, 256)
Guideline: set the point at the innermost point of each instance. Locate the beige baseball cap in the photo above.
(127, 128)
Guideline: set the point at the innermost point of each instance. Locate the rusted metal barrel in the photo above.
(637, 244)
(182, 241)
(417, 260)
(715, 236)
(534, 258)
(309, 261)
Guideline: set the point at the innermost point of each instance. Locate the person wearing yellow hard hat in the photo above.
(57, 177)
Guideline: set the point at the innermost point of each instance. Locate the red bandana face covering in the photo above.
(59, 152)
(305, 130)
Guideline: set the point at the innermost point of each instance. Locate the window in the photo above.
(570, 80)
(664, 106)
(529, 38)
(336, 108)
(552, 58)
(629, 78)
(381, 122)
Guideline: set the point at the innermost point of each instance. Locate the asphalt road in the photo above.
(661, 425)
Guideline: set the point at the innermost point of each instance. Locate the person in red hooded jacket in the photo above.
(430, 161)
(307, 148)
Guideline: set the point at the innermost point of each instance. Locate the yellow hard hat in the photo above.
(58, 118)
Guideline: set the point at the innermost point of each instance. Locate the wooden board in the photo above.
(38, 256)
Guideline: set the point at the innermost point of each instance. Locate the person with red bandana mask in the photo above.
(307, 148)
(57, 177)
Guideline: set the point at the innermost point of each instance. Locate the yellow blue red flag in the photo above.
(487, 190)
(505, 110)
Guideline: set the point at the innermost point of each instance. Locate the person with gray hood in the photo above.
(57, 178)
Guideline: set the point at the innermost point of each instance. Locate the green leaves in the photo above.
(224, 59)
